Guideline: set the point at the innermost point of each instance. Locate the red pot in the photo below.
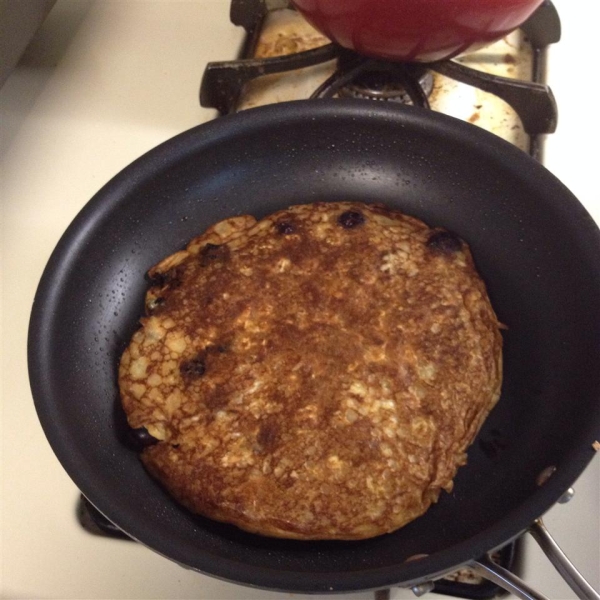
(415, 30)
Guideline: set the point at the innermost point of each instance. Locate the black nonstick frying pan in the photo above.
(534, 244)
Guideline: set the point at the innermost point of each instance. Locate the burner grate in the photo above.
(372, 79)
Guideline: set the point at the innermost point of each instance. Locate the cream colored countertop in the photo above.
(103, 82)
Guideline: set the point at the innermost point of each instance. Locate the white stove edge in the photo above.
(103, 82)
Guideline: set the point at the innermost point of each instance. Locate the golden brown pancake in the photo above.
(318, 374)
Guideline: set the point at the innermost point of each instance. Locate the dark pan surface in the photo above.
(534, 244)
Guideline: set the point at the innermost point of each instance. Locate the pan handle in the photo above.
(560, 561)
(488, 569)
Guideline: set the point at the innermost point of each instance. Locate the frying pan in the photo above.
(534, 244)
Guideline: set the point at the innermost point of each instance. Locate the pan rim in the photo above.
(105, 201)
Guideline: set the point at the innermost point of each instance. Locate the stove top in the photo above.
(500, 88)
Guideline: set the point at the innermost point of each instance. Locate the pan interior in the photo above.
(533, 243)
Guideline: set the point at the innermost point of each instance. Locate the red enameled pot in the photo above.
(415, 30)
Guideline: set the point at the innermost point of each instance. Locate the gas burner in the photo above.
(389, 84)
(358, 76)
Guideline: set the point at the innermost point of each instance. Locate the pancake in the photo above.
(317, 374)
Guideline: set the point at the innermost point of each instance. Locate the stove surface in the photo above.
(102, 83)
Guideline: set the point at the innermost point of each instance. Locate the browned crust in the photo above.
(312, 381)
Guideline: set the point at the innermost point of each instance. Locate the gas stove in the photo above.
(103, 82)
(500, 88)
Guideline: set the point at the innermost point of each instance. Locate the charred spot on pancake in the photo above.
(169, 279)
(212, 253)
(351, 219)
(193, 369)
(444, 242)
(285, 228)
(156, 280)
(139, 438)
(215, 349)
(268, 434)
